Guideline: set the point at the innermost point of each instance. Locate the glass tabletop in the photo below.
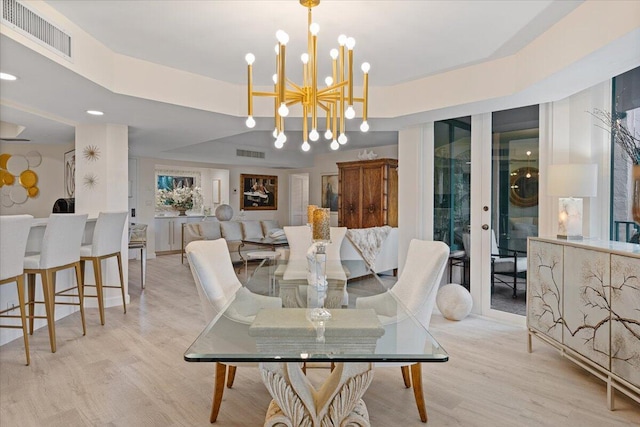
(267, 241)
(374, 327)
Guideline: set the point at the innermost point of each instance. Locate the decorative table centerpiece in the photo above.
(180, 198)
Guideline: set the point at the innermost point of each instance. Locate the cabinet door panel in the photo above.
(625, 318)
(587, 303)
(162, 233)
(545, 289)
(373, 203)
(350, 186)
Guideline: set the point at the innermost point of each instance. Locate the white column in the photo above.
(415, 187)
(102, 185)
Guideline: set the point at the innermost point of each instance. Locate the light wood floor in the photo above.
(130, 372)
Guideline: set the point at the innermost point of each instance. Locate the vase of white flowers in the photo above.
(180, 198)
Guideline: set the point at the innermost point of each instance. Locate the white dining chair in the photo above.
(220, 290)
(60, 250)
(106, 243)
(416, 290)
(14, 233)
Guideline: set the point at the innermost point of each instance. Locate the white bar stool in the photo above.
(265, 256)
(106, 243)
(60, 251)
(14, 230)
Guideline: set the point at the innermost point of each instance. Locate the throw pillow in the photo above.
(231, 230)
(252, 230)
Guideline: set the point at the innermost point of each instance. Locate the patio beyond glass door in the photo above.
(514, 205)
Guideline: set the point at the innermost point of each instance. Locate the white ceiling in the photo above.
(403, 40)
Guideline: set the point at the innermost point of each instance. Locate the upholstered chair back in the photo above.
(107, 235)
(418, 284)
(62, 240)
(299, 238)
(213, 273)
(333, 249)
(14, 232)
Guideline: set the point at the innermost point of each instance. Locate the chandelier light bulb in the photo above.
(314, 135)
(275, 78)
(314, 28)
(305, 58)
(282, 138)
(350, 113)
(342, 39)
(366, 67)
(528, 153)
(334, 145)
(351, 43)
(342, 139)
(305, 146)
(275, 133)
(328, 134)
(364, 127)
(283, 110)
(328, 81)
(250, 58)
(333, 53)
(282, 37)
(277, 49)
(278, 144)
(528, 175)
(250, 122)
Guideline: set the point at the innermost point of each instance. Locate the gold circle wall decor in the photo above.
(28, 178)
(91, 153)
(524, 187)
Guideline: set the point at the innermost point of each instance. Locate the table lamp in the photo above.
(571, 182)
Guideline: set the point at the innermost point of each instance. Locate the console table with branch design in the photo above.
(584, 299)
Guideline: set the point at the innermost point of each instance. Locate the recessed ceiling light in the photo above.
(95, 112)
(5, 76)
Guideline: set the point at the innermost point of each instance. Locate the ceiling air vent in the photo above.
(18, 16)
(248, 153)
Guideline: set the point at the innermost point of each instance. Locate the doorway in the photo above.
(299, 198)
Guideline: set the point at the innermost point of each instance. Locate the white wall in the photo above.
(50, 177)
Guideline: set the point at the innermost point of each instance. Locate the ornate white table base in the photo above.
(296, 402)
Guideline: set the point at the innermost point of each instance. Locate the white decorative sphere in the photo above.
(454, 301)
(224, 212)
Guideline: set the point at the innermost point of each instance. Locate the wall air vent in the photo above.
(248, 153)
(20, 17)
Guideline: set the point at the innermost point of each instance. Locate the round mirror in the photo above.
(524, 187)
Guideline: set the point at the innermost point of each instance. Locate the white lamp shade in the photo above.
(572, 180)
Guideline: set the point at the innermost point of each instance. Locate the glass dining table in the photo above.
(374, 327)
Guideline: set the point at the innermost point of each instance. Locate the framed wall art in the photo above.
(330, 192)
(70, 174)
(259, 192)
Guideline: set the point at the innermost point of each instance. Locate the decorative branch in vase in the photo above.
(629, 142)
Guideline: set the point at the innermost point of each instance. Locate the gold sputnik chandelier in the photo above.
(335, 100)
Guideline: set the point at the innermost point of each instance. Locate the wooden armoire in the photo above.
(368, 193)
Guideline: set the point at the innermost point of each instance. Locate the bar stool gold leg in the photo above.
(23, 318)
(124, 301)
(31, 287)
(97, 273)
(47, 280)
(80, 295)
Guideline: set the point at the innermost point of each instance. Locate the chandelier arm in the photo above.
(250, 91)
(350, 68)
(281, 73)
(272, 94)
(332, 88)
(321, 105)
(295, 86)
(314, 78)
(341, 112)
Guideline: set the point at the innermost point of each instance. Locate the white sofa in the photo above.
(232, 231)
